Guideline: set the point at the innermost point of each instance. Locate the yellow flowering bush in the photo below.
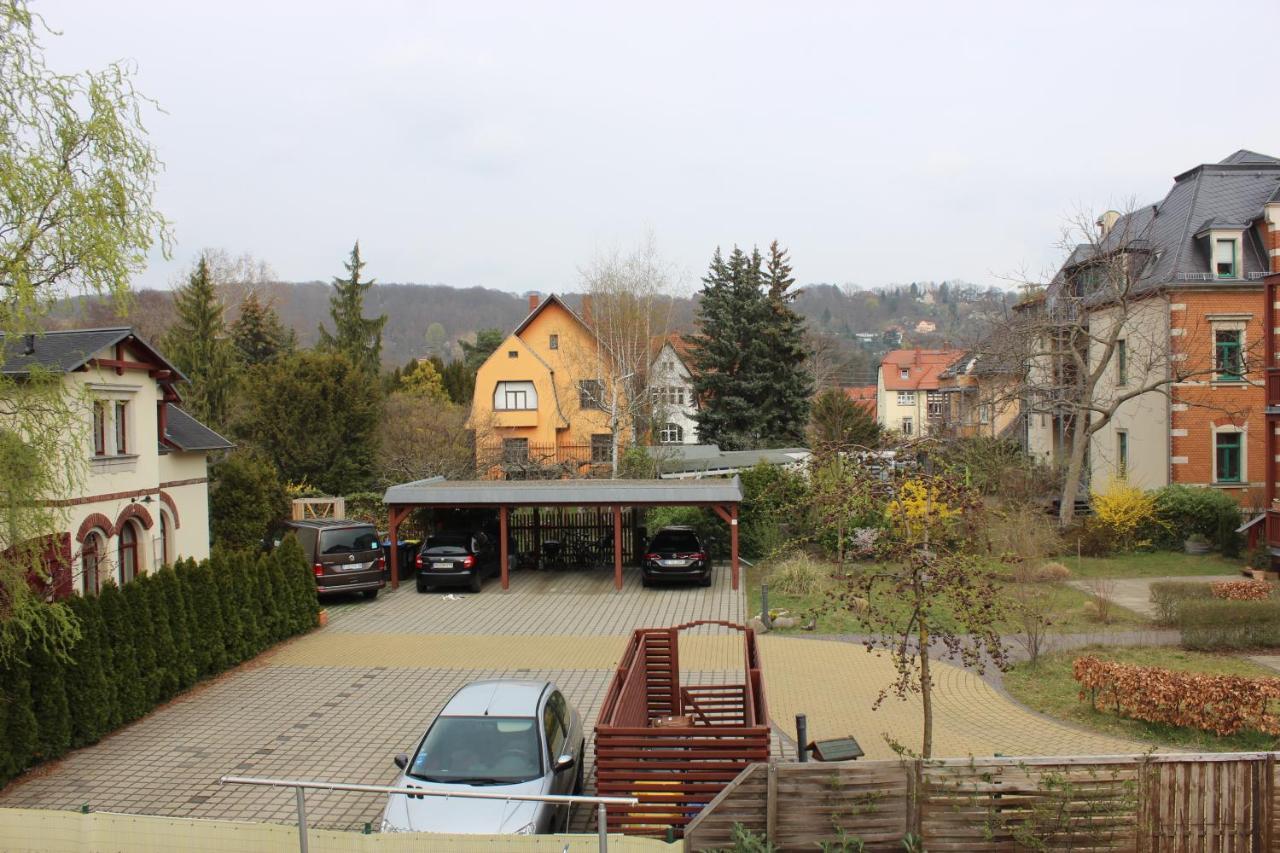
(1127, 513)
(918, 506)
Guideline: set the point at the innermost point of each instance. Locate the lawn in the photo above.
(1152, 564)
(1048, 687)
(1072, 609)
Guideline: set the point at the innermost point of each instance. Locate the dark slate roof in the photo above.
(68, 349)
(187, 433)
(440, 492)
(1229, 194)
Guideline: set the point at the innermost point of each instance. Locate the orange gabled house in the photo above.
(540, 399)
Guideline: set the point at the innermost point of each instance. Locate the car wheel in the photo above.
(706, 581)
(423, 586)
(645, 582)
(371, 593)
(476, 581)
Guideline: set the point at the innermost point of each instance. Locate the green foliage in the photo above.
(1187, 510)
(459, 382)
(798, 575)
(997, 466)
(1168, 596)
(258, 335)
(245, 498)
(1213, 624)
(637, 464)
(422, 379)
(354, 336)
(138, 647)
(746, 841)
(710, 528)
(475, 354)
(839, 423)
(748, 358)
(771, 496)
(313, 416)
(198, 345)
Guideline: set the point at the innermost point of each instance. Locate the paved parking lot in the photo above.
(340, 702)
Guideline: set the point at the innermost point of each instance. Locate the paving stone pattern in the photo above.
(339, 703)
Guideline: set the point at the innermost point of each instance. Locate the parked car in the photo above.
(498, 737)
(452, 558)
(676, 554)
(346, 556)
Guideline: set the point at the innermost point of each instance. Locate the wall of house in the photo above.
(1204, 404)
(1144, 418)
(677, 375)
(184, 479)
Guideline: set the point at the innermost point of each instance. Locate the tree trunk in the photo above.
(926, 693)
(1075, 465)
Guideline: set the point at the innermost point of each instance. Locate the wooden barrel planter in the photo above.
(675, 747)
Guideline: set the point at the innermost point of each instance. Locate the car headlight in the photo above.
(527, 829)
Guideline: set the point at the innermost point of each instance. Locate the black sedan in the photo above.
(676, 554)
(456, 558)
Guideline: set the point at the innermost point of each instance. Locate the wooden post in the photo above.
(771, 804)
(617, 547)
(396, 516)
(502, 547)
(733, 544)
(537, 537)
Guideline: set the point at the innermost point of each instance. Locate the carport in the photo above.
(721, 495)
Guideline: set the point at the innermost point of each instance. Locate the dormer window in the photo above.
(904, 373)
(1226, 255)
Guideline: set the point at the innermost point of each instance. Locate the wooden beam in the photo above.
(395, 516)
(720, 511)
(502, 547)
(617, 547)
(120, 365)
(733, 544)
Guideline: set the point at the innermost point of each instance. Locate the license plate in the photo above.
(442, 565)
(674, 564)
(350, 567)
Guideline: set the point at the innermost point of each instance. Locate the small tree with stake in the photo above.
(928, 593)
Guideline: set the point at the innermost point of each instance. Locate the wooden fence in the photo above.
(583, 535)
(1227, 803)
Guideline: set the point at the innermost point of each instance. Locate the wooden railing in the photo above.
(1273, 528)
(1175, 802)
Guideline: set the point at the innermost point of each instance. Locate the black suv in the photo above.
(346, 556)
(676, 553)
(456, 557)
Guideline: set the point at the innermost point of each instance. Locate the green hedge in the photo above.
(1186, 510)
(1168, 596)
(143, 645)
(1212, 624)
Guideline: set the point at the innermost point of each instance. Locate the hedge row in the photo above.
(1212, 624)
(1168, 596)
(141, 645)
(1222, 704)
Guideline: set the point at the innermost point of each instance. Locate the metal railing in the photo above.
(301, 785)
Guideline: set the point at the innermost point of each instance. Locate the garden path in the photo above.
(1135, 593)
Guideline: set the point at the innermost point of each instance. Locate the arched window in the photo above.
(671, 434)
(128, 549)
(90, 562)
(164, 538)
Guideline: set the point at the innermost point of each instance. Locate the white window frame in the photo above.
(908, 426)
(1217, 240)
(671, 433)
(509, 391)
(906, 398)
(904, 373)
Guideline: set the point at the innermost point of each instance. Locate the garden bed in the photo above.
(1049, 687)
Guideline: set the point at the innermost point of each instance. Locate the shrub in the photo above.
(1168, 596)
(1187, 510)
(1052, 573)
(1128, 513)
(1089, 538)
(139, 646)
(1022, 531)
(1222, 704)
(798, 575)
(1212, 624)
(1242, 590)
(1259, 558)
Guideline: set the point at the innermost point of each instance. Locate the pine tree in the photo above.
(198, 345)
(175, 607)
(354, 336)
(789, 384)
(727, 352)
(258, 334)
(168, 664)
(459, 383)
(124, 673)
(143, 627)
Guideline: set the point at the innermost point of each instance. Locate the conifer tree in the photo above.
(258, 334)
(21, 729)
(175, 608)
(168, 665)
(788, 382)
(131, 702)
(49, 694)
(143, 628)
(89, 693)
(355, 336)
(198, 345)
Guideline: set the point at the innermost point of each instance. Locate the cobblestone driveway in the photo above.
(340, 702)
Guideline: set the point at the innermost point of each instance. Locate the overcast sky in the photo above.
(502, 144)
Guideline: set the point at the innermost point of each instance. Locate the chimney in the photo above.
(587, 316)
(534, 299)
(28, 344)
(1107, 221)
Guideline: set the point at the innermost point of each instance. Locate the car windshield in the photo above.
(676, 540)
(345, 540)
(448, 543)
(479, 751)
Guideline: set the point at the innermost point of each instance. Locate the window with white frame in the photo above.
(1226, 257)
(122, 427)
(906, 398)
(515, 397)
(935, 403)
(671, 434)
(99, 428)
(904, 373)
(984, 413)
(907, 426)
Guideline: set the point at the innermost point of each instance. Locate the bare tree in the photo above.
(1096, 337)
(628, 306)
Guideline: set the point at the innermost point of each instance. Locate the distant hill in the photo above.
(839, 314)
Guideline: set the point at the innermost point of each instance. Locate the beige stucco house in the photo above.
(142, 500)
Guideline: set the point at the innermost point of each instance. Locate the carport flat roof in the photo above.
(438, 491)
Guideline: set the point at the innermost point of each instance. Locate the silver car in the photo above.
(499, 737)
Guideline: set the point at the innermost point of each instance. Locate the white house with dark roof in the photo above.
(143, 500)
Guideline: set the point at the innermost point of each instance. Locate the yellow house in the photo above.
(546, 399)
